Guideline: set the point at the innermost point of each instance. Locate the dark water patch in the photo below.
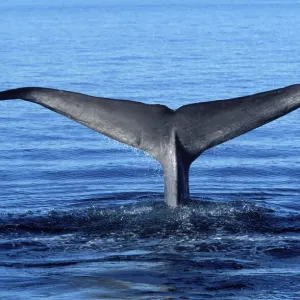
(145, 219)
(153, 219)
(226, 285)
(283, 223)
(288, 251)
(59, 263)
(209, 264)
(25, 244)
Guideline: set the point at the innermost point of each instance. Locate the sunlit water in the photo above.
(82, 217)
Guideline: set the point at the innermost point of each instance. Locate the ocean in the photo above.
(83, 216)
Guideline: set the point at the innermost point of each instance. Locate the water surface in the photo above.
(82, 216)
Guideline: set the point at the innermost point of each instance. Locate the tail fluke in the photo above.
(130, 122)
(204, 125)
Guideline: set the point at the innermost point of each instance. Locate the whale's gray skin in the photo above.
(173, 137)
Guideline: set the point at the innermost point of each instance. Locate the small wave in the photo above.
(229, 285)
(21, 244)
(286, 251)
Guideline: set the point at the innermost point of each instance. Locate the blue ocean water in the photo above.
(82, 216)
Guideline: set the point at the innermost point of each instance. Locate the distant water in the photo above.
(82, 217)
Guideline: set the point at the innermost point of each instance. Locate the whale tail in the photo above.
(174, 138)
